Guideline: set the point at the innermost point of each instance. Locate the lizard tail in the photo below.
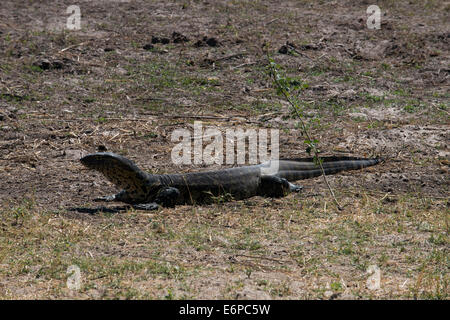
(305, 168)
(117, 169)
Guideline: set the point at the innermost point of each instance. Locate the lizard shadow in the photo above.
(98, 210)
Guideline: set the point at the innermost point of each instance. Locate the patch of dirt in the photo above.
(138, 70)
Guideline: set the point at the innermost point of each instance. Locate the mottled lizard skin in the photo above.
(141, 188)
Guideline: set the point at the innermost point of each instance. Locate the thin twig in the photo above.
(271, 21)
(244, 65)
(236, 55)
(261, 258)
(303, 125)
(73, 46)
(187, 116)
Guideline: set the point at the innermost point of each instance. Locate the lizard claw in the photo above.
(146, 206)
(295, 188)
(106, 198)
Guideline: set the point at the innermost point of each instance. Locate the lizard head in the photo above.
(101, 160)
(117, 169)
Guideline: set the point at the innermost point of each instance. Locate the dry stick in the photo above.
(262, 258)
(236, 55)
(73, 46)
(298, 52)
(271, 21)
(150, 114)
(85, 119)
(243, 65)
(294, 106)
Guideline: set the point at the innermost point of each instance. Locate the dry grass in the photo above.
(129, 99)
(289, 248)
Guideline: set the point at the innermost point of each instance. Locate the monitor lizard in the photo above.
(149, 191)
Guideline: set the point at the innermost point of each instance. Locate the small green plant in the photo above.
(150, 135)
(22, 212)
(101, 120)
(289, 89)
(222, 198)
(401, 92)
(336, 286)
(386, 66)
(169, 295)
(36, 68)
(89, 100)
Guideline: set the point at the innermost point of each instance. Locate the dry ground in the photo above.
(66, 93)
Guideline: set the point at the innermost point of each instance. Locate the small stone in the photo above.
(374, 280)
(212, 42)
(162, 40)
(348, 296)
(178, 37)
(57, 64)
(44, 64)
(74, 154)
(199, 44)
(283, 50)
(148, 46)
(359, 115)
(425, 227)
(121, 71)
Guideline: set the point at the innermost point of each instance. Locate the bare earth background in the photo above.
(366, 92)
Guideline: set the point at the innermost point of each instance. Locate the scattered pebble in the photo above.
(283, 49)
(46, 64)
(57, 64)
(210, 41)
(162, 40)
(374, 280)
(148, 46)
(178, 37)
(74, 154)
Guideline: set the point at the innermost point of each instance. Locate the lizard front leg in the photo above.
(273, 186)
(146, 206)
(166, 197)
(123, 196)
(295, 187)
